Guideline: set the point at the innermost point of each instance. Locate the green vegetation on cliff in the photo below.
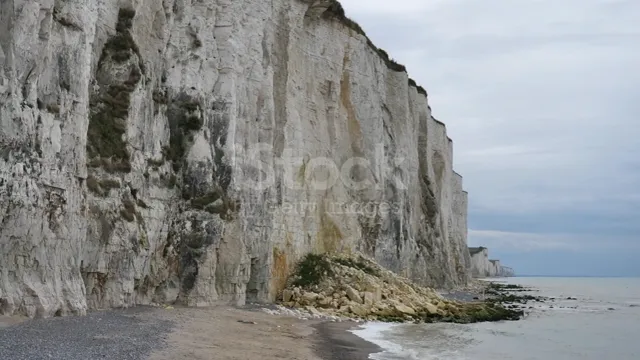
(336, 11)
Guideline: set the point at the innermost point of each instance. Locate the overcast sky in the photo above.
(542, 101)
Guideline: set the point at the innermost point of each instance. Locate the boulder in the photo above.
(359, 310)
(385, 311)
(287, 295)
(353, 295)
(375, 290)
(404, 309)
(309, 297)
(369, 298)
(324, 302)
(431, 309)
(313, 311)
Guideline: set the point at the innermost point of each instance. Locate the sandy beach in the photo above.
(152, 333)
(231, 333)
(174, 332)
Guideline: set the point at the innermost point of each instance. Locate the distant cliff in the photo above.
(482, 267)
(180, 151)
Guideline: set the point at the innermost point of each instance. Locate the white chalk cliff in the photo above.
(126, 171)
(482, 267)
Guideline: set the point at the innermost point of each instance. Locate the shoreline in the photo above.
(339, 343)
(168, 333)
(336, 342)
(261, 335)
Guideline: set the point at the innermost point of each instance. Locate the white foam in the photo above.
(413, 342)
(378, 333)
(373, 332)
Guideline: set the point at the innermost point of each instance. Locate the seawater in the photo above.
(603, 323)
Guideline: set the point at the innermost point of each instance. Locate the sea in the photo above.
(602, 324)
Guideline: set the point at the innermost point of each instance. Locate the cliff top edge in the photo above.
(335, 11)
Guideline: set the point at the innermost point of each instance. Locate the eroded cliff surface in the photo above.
(129, 162)
(482, 267)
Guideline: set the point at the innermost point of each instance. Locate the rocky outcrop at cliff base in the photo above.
(356, 287)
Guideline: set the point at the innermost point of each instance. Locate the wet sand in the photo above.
(231, 333)
(335, 342)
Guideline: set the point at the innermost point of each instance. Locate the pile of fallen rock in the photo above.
(354, 286)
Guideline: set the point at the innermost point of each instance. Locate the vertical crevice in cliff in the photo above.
(184, 114)
(428, 200)
(280, 269)
(438, 170)
(280, 56)
(218, 129)
(353, 126)
(330, 237)
(253, 286)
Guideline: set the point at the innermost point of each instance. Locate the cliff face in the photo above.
(506, 271)
(159, 151)
(479, 262)
(494, 268)
(482, 267)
